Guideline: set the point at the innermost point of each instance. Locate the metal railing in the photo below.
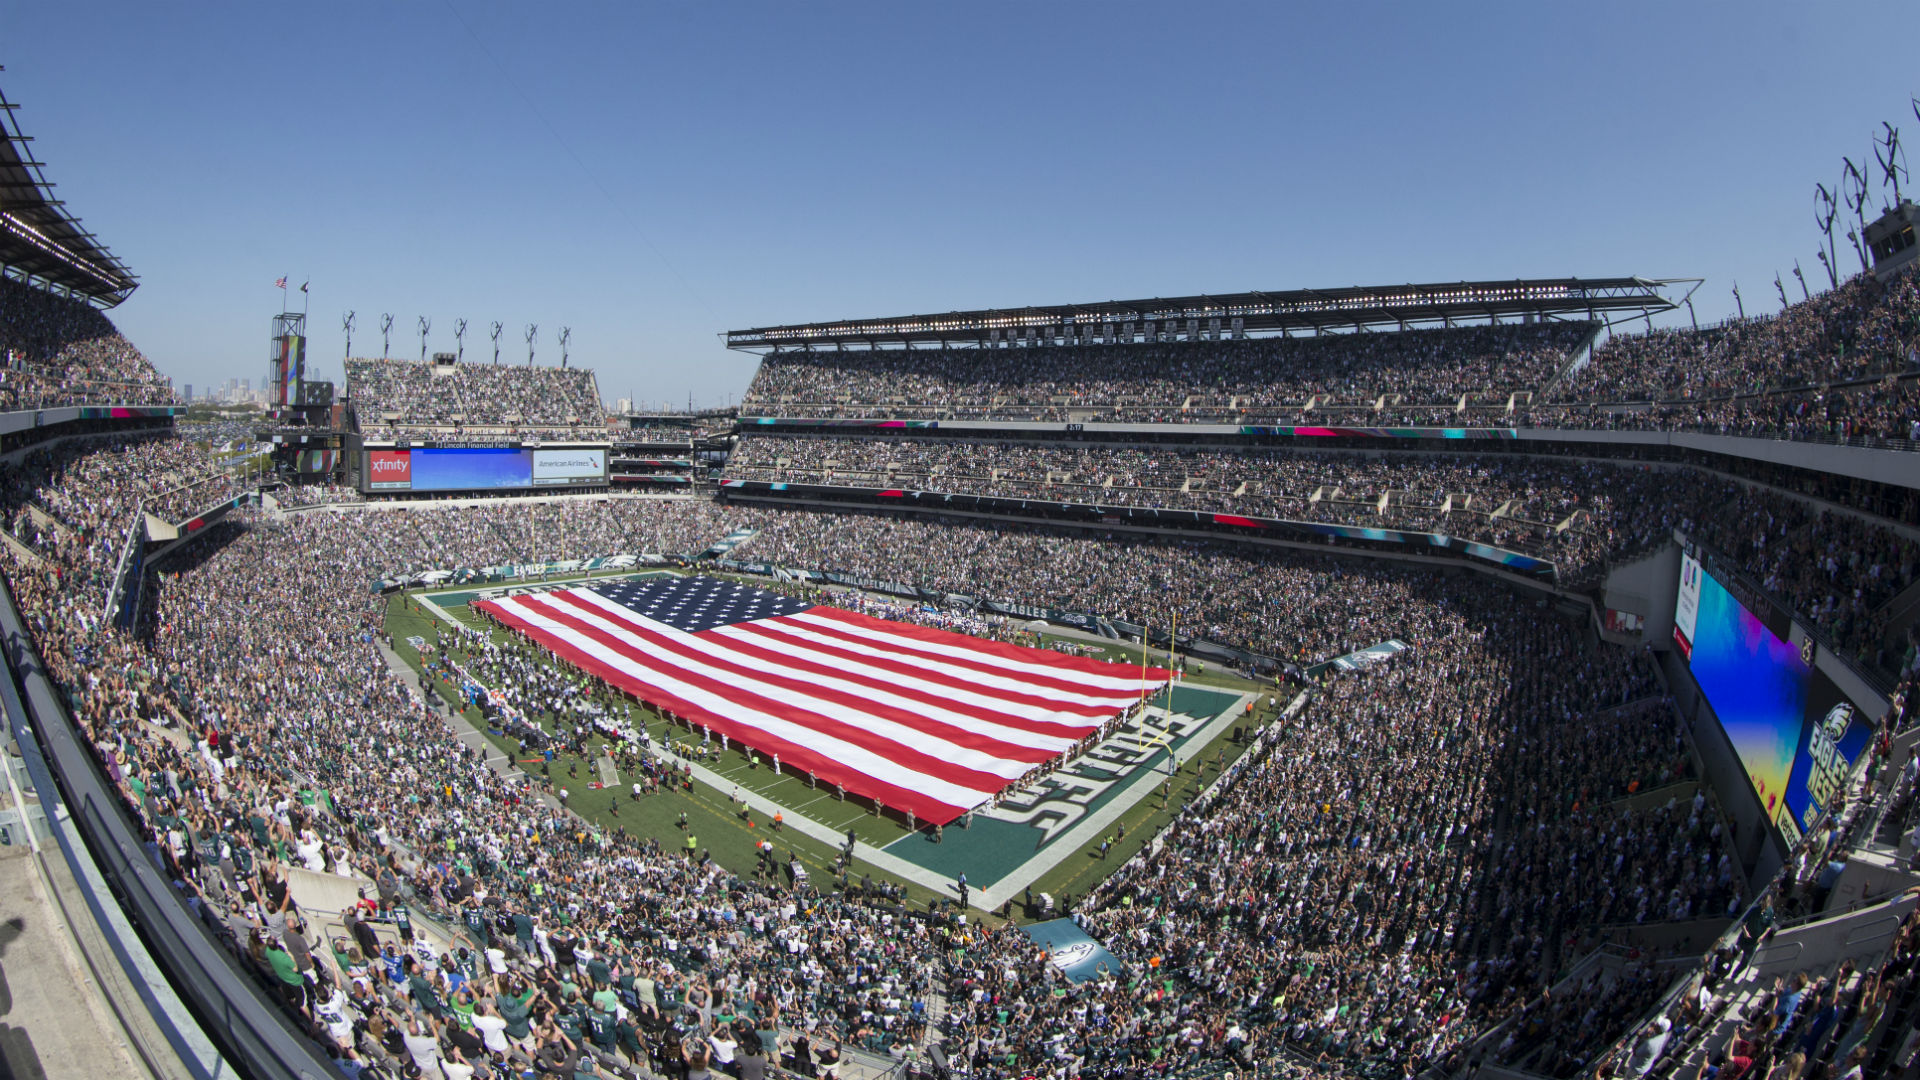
(250, 1030)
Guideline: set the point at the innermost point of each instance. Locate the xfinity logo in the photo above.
(389, 465)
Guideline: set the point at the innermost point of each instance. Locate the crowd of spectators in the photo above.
(1883, 412)
(1862, 329)
(57, 351)
(1368, 880)
(1289, 605)
(177, 480)
(1169, 381)
(1827, 1021)
(1388, 873)
(258, 728)
(1766, 376)
(1532, 498)
(396, 397)
(298, 496)
(433, 536)
(1836, 569)
(661, 435)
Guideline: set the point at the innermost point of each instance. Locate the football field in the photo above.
(1057, 836)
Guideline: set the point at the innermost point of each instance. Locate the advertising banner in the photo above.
(569, 467)
(389, 470)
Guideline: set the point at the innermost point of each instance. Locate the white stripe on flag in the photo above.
(763, 630)
(714, 643)
(959, 648)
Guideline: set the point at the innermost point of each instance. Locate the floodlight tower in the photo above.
(1893, 161)
(346, 327)
(533, 332)
(566, 334)
(426, 324)
(459, 340)
(1829, 208)
(386, 333)
(1856, 195)
(496, 343)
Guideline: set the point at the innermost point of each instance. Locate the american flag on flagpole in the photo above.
(279, 283)
(922, 720)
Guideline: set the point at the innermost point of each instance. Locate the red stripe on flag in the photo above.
(1080, 718)
(747, 697)
(922, 639)
(986, 744)
(826, 768)
(1001, 649)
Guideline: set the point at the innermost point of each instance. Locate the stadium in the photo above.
(1458, 679)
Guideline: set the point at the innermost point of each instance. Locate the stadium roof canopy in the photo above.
(39, 240)
(1255, 313)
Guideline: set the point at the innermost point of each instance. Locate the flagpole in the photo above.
(1173, 640)
(1145, 644)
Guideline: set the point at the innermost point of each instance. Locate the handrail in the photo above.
(1853, 937)
(251, 1031)
(1765, 953)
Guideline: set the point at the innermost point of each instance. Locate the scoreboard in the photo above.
(481, 468)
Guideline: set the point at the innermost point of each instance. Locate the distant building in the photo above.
(186, 393)
(623, 405)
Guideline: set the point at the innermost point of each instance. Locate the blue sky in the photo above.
(653, 175)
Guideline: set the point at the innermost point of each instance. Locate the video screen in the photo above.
(472, 469)
(482, 468)
(1796, 735)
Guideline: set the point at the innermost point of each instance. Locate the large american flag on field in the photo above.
(923, 720)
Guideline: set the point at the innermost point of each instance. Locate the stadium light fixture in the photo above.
(346, 327)
(1855, 193)
(459, 340)
(1802, 279)
(1829, 208)
(426, 324)
(1737, 305)
(1781, 289)
(497, 328)
(386, 333)
(1892, 159)
(533, 333)
(566, 335)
